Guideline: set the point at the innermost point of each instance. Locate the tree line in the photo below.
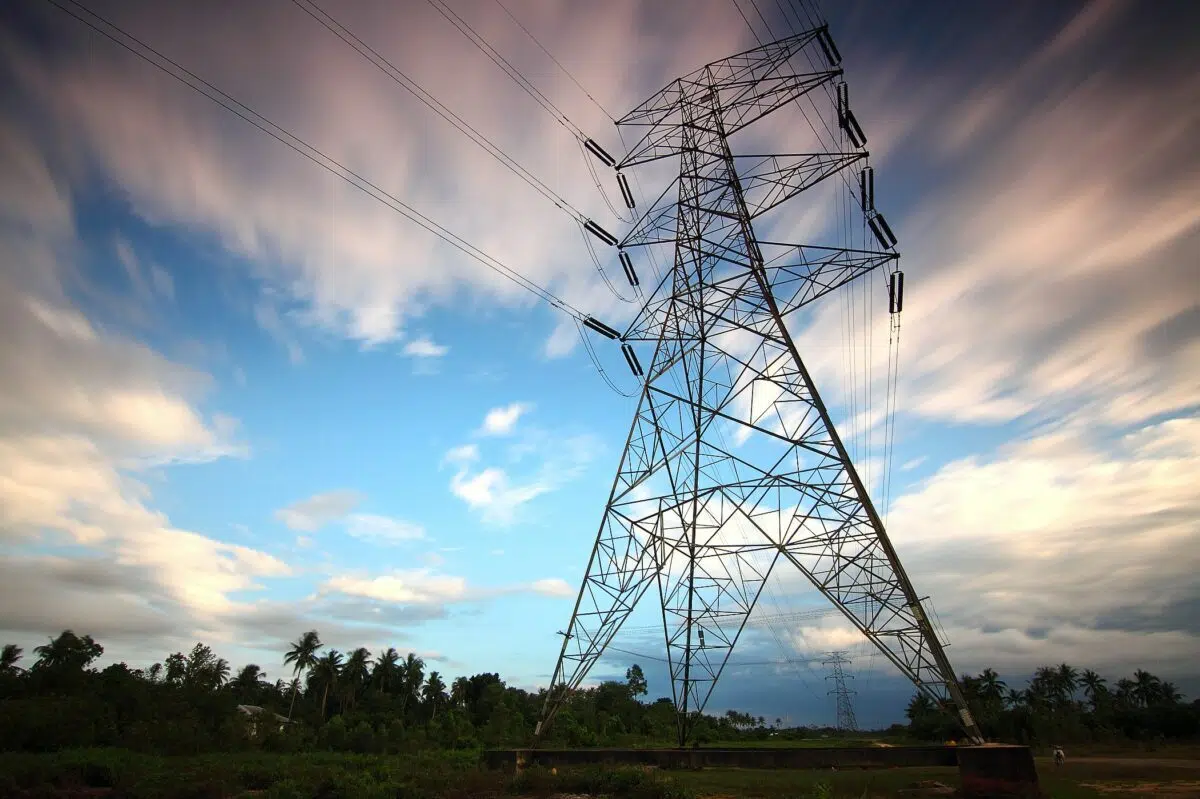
(386, 703)
(325, 699)
(1061, 704)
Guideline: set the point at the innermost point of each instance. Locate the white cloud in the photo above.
(310, 515)
(912, 464)
(1057, 539)
(501, 421)
(555, 587)
(499, 495)
(427, 587)
(424, 347)
(462, 454)
(417, 586)
(383, 529)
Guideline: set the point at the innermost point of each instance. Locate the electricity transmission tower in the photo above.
(845, 710)
(733, 467)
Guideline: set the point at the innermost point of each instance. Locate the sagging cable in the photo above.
(600, 233)
(600, 327)
(627, 264)
(623, 182)
(631, 358)
(599, 152)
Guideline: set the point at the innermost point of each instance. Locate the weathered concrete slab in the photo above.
(767, 758)
(993, 772)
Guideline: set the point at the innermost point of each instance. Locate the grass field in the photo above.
(456, 775)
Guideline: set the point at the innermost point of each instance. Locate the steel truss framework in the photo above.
(845, 708)
(698, 521)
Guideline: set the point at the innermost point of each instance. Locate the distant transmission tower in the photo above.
(732, 457)
(845, 710)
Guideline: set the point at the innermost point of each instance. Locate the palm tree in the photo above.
(412, 674)
(434, 693)
(219, 672)
(990, 686)
(302, 656)
(1067, 680)
(354, 675)
(325, 673)
(1093, 687)
(1168, 694)
(1126, 691)
(386, 670)
(249, 680)
(458, 691)
(9, 657)
(1146, 687)
(70, 650)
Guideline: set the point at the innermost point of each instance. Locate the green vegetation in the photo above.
(1062, 705)
(358, 725)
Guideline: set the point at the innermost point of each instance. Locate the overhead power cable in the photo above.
(396, 74)
(556, 61)
(201, 86)
(503, 63)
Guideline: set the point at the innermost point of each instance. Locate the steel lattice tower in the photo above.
(689, 514)
(845, 710)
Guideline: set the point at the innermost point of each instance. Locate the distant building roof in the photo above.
(255, 710)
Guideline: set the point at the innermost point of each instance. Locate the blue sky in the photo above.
(240, 400)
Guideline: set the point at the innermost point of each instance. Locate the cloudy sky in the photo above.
(240, 399)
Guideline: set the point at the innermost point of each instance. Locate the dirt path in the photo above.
(1136, 761)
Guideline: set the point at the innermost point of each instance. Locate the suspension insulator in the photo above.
(883, 233)
(828, 47)
(625, 192)
(632, 359)
(855, 131)
(887, 230)
(600, 153)
(600, 327)
(627, 264)
(866, 185)
(843, 102)
(896, 292)
(600, 233)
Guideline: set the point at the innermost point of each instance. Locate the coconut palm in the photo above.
(325, 673)
(249, 680)
(9, 657)
(1067, 680)
(1126, 691)
(1146, 687)
(1168, 694)
(219, 672)
(355, 673)
(302, 657)
(387, 670)
(68, 650)
(412, 674)
(1093, 687)
(990, 686)
(434, 693)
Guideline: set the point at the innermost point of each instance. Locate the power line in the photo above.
(503, 63)
(556, 61)
(319, 158)
(396, 74)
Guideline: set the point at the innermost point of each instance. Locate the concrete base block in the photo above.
(997, 772)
